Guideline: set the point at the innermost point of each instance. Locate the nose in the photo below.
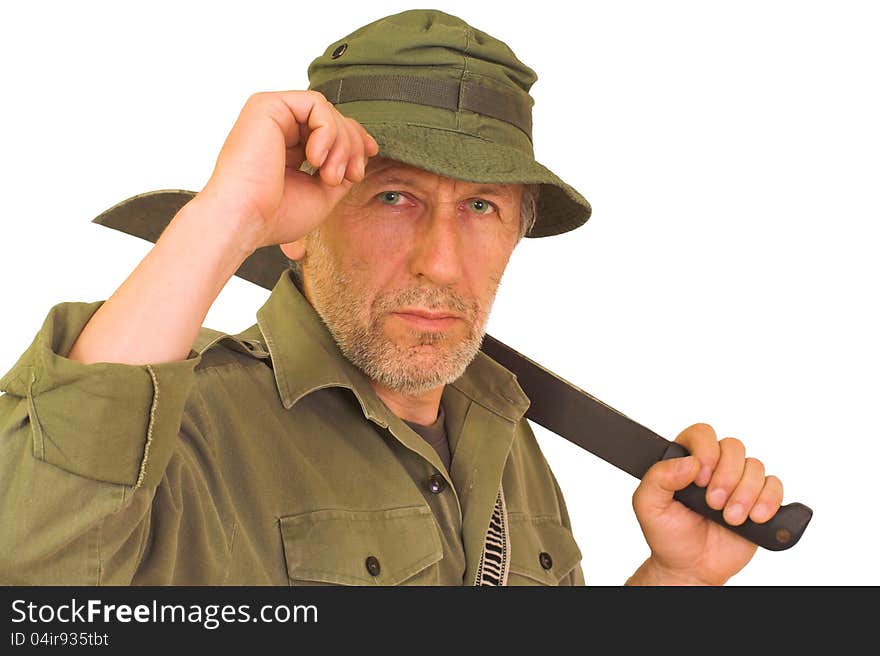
(436, 255)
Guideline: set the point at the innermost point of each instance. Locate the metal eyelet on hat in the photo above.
(338, 52)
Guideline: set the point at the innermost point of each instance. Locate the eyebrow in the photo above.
(497, 192)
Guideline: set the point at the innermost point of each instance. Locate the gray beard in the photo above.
(432, 360)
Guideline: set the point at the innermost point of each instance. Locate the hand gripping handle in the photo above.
(781, 531)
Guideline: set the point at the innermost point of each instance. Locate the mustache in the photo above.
(439, 299)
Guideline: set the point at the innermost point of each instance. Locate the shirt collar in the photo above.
(306, 358)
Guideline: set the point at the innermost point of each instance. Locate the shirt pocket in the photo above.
(542, 550)
(362, 547)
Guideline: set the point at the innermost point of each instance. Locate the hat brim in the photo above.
(459, 155)
(147, 215)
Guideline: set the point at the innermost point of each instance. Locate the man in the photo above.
(354, 434)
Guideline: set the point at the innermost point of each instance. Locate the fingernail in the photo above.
(717, 498)
(340, 172)
(735, 513)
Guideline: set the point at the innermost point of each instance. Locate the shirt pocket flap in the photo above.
(335, 545)
(541, 550)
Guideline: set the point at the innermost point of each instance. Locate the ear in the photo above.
(294, 249)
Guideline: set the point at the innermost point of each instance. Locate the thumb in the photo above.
(655, 493)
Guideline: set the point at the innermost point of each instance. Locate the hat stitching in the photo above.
(464, 72)
(434, 127)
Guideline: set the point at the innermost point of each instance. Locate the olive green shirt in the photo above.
(264, 458)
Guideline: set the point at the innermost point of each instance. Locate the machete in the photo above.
(556, 404)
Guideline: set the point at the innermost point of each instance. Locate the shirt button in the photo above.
(372, 564)
(436, 483)
(545, 560)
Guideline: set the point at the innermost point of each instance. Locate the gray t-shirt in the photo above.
(435, 435)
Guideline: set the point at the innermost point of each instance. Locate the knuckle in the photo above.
(702, 428)
(258, 97)
(344, 139)
(755, 464)
(732, 442)
(357, 146)
(638, 496)
(316, 96)
(725, 478)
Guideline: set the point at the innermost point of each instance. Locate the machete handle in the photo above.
(781, 531)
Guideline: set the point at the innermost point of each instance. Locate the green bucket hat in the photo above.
(435, 93)
(445, 97)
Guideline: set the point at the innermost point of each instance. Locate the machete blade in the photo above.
(579, 417)
(576, 415)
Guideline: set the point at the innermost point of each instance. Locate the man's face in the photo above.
(405, 269)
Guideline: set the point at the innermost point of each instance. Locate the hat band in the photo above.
(444, 94)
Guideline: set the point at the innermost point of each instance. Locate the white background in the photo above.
(728, 275)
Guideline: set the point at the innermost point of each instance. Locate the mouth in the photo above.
(427, 320)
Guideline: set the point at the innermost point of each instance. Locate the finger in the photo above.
(769, 500)
(746, 492)
(315, 124)
(296, 154)
(371, 146)
(661, 481)
(295, 157)
(701, 441)
(293, 110)
(334, 167)
(356, 159)
(727, 473)
(319, 140)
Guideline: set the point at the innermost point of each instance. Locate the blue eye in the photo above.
(389, 197)
(480, 206)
